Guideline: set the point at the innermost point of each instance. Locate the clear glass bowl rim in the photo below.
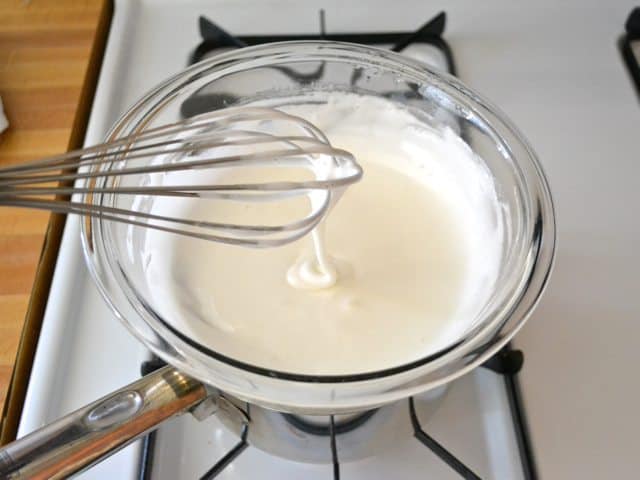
(426, 373)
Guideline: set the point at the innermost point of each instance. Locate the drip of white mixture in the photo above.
(407, 260)
(315, 271)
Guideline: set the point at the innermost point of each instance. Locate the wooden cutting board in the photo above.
(50, 54)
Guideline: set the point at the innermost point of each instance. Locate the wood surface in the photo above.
(50, 53)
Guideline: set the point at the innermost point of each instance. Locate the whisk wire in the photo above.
(238, 138)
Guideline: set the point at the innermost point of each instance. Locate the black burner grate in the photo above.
(507, 363)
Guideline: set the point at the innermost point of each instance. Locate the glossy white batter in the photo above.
(416, 247)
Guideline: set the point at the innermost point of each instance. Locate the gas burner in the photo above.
(303, 438)
(325, 428)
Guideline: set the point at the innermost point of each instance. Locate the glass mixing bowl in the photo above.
(285, 71)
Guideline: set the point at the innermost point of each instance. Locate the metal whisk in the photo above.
(142, 166)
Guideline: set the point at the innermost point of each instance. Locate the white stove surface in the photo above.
(554, 68)
(473, 422)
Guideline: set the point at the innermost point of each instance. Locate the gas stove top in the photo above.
(558, 87)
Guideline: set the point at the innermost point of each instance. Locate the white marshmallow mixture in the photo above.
(416, 246)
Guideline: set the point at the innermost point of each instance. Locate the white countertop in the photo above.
(558, 74)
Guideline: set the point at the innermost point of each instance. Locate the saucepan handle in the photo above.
(94, 432)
